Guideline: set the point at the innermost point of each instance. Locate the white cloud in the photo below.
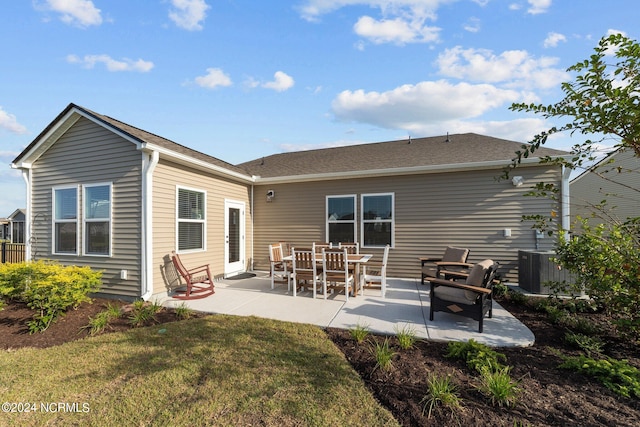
(538, 6)
(401, 21)
(215, 77)
(472, 25)
(553, 39)
(514, 68)
(282, 81)
(189, 14)
(412, 107)
(89, 61)
(10, 123)
(81, 13)
(397, 30)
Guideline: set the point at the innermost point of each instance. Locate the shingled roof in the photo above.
(439, 152)
(459, 149)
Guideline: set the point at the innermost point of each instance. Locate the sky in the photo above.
(240, 79)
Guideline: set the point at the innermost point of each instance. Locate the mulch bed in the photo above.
(549, 396)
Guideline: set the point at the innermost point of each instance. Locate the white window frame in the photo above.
(390, 221)
(202, 220)
(329, 221)
(85, 220)
(55, 221)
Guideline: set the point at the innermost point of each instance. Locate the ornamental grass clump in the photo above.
(440, 392)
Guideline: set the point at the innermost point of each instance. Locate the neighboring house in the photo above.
(17, 222)
(4, 229)
(616, 179)
(105, 194)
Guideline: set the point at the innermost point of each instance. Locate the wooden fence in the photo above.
(13, 252)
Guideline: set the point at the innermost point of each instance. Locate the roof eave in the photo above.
(412, 170)
(199, 164)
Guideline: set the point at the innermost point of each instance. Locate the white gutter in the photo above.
(26, 175)
(149, 163)
(204, 165)
(410, 170)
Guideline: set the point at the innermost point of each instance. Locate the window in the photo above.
(341, 219)
(97, 219)
(17, 231)
(65, 220)
(377, 219)
(191, 219)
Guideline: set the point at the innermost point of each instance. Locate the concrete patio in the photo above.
(406, 305)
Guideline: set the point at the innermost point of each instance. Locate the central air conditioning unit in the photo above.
(536, 269)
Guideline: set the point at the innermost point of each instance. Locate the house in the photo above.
(616, 179)
(17, 226)
(4, 229)
(111, 196)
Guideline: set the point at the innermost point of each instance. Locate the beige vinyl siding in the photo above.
(88, 154)
(469, 209)
(166, 178)
(620, 189)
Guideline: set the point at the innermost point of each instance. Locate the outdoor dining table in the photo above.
(355, 259)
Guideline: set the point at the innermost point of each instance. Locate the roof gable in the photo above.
(141, 138)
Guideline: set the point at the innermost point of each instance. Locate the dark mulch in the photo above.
(549, 395)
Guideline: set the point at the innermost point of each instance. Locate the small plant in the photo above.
(406, 337)
(440, 391)
(384, 355)
(100, 322)
(498, 387)
(583, 325)
(359, 333)
(477, 356)
(617, 375)
(517, 297)
(500, 290)
(183, 312)
(143, 312)
(590, 345)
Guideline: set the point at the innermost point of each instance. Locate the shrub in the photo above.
(477, 356)
(606, 261)
(48, 288)
(617, 375)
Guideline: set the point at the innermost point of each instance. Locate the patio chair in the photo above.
(305, 269)
(336, 273)
(352, 247)
(318, 246)
(470, 295)
(278, 266)
(454, 258)
(198, 280)
(377, 278)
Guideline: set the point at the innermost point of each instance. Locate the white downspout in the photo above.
(253, 235)
(26, 175)
(565, 199)
(149, 162)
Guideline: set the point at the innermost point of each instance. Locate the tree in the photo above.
(603, 102)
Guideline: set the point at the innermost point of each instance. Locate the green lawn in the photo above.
(218, 370)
